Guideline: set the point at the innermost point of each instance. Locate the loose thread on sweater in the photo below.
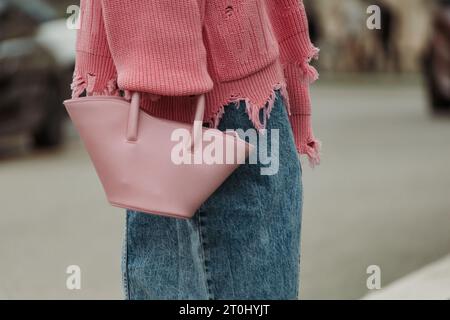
(312, 149)
(309, 74)
(253, 111)
(78, 86)
(81, 84)
(313, 53)
(87, 84)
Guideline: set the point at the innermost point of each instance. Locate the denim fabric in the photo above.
(243, 243)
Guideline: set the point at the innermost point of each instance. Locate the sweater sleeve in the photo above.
(290, 25)
(94, 72)
(152, 46)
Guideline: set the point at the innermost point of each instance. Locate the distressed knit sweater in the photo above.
(229, 50)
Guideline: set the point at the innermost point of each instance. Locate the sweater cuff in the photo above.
(304, 138)
(94, 74)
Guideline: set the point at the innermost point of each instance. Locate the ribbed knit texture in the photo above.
(232, 50)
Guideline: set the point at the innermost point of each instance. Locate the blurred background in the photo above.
(381, 196)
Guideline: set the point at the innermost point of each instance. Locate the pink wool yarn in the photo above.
(231, 50)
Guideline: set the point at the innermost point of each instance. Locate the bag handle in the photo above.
(197, 127)
(133, 120)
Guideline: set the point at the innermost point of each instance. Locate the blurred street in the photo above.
(381, 197)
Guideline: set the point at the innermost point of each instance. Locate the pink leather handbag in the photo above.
(133, 154)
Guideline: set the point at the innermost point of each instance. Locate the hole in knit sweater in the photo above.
(229, 11)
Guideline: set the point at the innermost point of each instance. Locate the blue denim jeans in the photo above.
(243, 242)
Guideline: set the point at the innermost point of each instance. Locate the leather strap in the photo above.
(133, 120)
(133, 117)
(197, 128)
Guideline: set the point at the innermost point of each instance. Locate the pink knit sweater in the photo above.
(231, 50)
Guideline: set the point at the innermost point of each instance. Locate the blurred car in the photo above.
(437, 59)
(36, 64)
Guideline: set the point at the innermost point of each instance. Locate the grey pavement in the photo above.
(429, 283)
(381, 197)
